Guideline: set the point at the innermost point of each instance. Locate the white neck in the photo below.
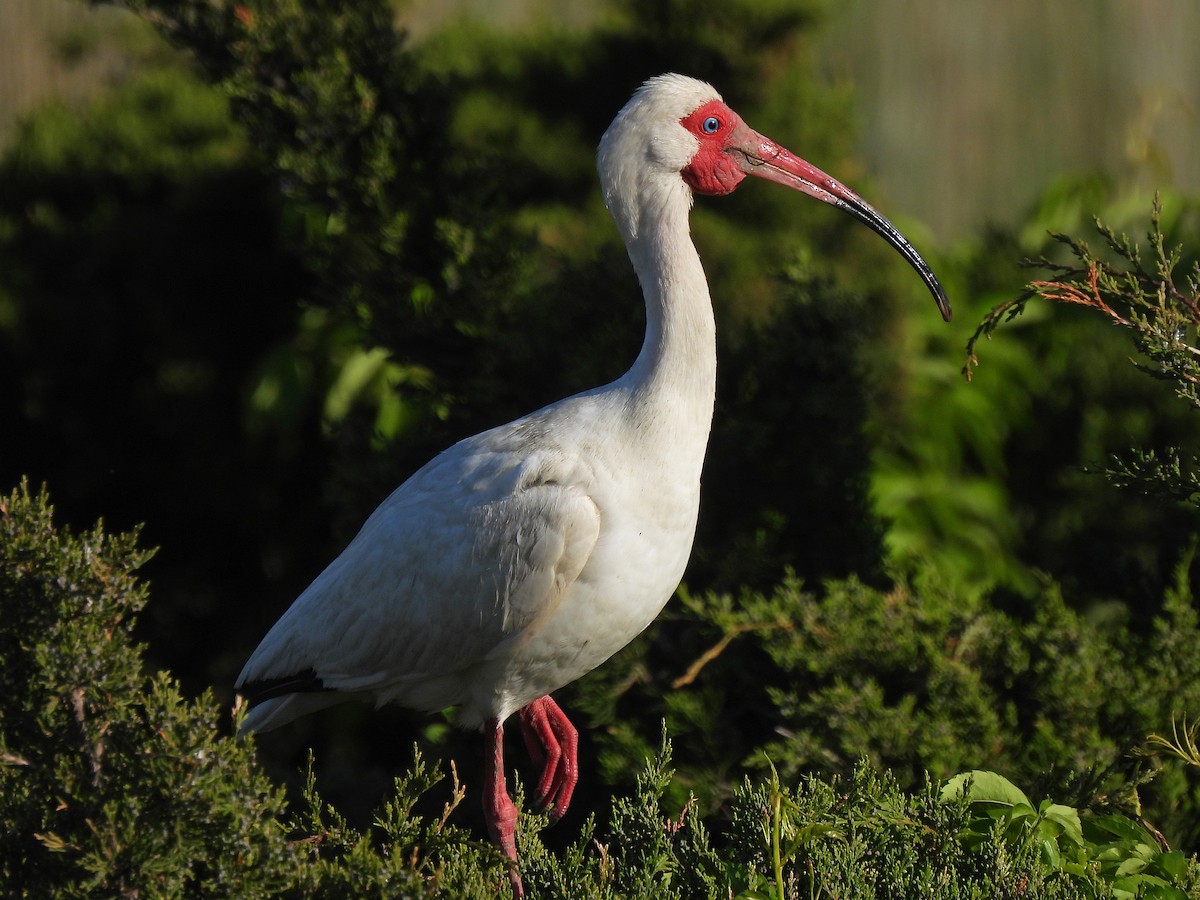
(672, 384)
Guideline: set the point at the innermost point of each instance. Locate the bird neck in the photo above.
(673, 380)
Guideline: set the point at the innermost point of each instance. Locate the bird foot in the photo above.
(553, 743)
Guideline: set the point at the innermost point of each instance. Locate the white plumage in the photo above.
(523, 557)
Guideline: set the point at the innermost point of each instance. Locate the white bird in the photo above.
(523, 557)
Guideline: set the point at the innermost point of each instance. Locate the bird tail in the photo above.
(268, 714)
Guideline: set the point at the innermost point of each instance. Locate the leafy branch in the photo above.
(1136, 289)
(1182, 743)
(1143, 297)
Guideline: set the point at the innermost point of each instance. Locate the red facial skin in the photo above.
(712, 170)
(733, 150)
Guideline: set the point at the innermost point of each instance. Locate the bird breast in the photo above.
(618, 565)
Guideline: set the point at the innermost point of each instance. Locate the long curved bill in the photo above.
(766, 159)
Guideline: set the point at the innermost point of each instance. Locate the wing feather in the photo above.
(457, 567)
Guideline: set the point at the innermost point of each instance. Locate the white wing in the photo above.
(458, 566)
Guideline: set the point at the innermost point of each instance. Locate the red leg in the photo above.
(553, 743)
(498, 808)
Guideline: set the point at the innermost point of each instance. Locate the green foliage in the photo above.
(1181, 744)
(1116, 848)
(143, 279)
(113, 784)
(988, 483)
(915, 682)
(1142, 297)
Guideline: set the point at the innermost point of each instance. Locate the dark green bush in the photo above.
(916, 682)
(113, 784)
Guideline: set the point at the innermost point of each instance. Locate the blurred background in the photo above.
(258, 262)
(961, 117)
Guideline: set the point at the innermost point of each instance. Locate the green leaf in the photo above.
(358, 371)
(1119, 826)
(1132, 866)
(1144, 886)
(981, 786)
(1164, 892)
(1172, 864)
(1066, 817)
(1050, 854)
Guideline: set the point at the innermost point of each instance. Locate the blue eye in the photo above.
(711, 124)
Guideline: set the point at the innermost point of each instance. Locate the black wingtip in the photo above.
(306, 682)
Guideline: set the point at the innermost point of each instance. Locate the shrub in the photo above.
(113, 784)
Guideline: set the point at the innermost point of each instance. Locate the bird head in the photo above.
(676, 133)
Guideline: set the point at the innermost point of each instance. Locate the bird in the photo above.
(521, 558)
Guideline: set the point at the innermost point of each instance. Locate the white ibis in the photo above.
(523, 557)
